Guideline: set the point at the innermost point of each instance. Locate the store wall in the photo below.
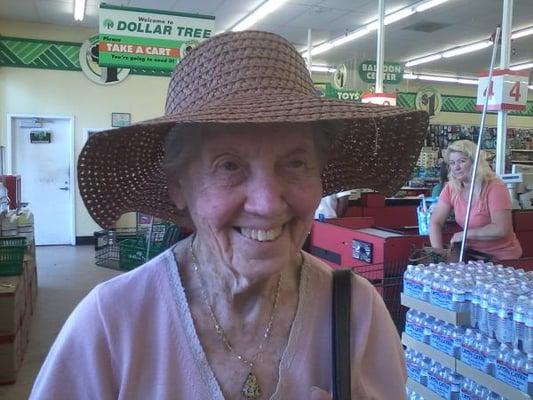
(447, 118)
(70, 93)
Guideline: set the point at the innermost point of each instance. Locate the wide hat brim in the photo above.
(119, 170)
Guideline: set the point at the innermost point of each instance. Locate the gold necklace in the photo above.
(250, 388)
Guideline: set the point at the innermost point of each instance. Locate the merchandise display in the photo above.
(18, 290)
(469, 331)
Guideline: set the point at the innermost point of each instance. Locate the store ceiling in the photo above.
(460, 22)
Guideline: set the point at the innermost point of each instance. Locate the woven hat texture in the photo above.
(241, 78)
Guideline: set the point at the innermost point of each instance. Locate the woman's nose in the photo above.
(265, 194)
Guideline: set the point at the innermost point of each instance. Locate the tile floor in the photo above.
(65, 275)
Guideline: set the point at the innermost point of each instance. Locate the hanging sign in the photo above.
(383, 99)
(151, 39)
(428, 99)
(507, 90)
(392, 72)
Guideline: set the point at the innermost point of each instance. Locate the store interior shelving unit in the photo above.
(455, 318)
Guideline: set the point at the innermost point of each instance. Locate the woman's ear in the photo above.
(175, 191)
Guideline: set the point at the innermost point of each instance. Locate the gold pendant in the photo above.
(251, 388)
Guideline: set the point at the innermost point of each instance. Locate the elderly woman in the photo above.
(237, 311)
(490, 226)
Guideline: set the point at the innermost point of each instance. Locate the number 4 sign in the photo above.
(507, 90)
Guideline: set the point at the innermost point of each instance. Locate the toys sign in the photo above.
(507, 90)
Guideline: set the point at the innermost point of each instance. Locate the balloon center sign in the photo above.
(392, 72)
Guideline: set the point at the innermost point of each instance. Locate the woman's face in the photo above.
(460, 166)
(252, 196)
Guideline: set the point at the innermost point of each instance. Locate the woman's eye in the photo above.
(295, 163)
(229, 166)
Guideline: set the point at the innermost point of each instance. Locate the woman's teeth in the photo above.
(262, 235)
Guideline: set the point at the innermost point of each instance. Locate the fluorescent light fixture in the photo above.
(438, 78)
(371, 26)
(79, 10)
(530, 87)
(322, 68)
(398, 15)
(423, 60)
(519, 67)
(259, 13)
(467, 49)
(522, 32)
(426, 5)
(467, 81)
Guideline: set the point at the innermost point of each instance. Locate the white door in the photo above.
(46, 174)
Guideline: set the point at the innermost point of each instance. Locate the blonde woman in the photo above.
(490, 228)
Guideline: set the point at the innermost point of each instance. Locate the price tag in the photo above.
(506, 91)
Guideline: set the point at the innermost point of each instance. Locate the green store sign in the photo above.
(392, 72)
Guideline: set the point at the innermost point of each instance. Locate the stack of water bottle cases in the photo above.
(495, 338)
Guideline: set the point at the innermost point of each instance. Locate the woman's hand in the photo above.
(457, 237)
(319, 394)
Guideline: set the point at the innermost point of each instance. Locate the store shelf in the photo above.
(452, 317)
(491, 383)
(422, 390)
(521, 161)
(427, 350)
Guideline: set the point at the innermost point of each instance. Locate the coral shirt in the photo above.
(494, 197)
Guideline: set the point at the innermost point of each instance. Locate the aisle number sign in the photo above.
(150, 39)
(507, 90)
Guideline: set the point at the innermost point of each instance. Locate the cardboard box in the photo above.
(10, 357)
(12, 303)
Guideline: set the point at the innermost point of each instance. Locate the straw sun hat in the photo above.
(243, 78)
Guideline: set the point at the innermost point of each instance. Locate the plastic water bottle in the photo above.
(412, 281)
(483, 309)
(408, 280)
(441, 337)
(441, 292)
(490, 353)
(492, 310)
(476, 298)
(458, 289)
(467, 390)
(458, 334)
(519, 316)
(504, 323)
(455, 385)
(425, 364)
(528, 328)
(412, 364)
(428, 323)
(469, 353)
(414, 324)
(427, 279)
(510, 368)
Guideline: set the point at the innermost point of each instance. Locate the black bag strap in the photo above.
(341, 310)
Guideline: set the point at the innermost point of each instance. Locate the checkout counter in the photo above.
(377, 235)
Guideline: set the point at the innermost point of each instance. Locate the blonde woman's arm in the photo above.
(438, 219)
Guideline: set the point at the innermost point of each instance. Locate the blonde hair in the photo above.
(483, 174)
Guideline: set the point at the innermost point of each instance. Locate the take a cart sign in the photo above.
(392, 72)
(507, 90)
(151, 39)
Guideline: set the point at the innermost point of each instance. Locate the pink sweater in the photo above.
(494, 197)
(133, 337)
